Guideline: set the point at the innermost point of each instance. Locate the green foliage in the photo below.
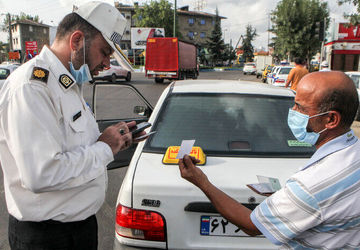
(215, 43)
(295, 24)
(156, 14)
(355, 17)
(250, 35)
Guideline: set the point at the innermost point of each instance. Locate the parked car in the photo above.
(355, 76)
(270, 76)
(249, 68)
(242, 129)
(280, 76)
(114, 72)
(5, 71)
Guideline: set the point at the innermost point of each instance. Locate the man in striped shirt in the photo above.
(319, 207)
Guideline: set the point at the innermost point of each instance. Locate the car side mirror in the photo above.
(140, 110)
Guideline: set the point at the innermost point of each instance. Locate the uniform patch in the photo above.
(40, 74)
(65, 81)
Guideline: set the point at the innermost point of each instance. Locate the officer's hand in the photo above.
(117, 136)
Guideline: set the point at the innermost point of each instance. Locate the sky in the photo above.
(238, 13)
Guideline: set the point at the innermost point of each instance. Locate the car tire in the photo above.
(244, 73)
(128, 77)
(113, 78)
(159, 80)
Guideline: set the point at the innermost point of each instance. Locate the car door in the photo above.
(116, 102)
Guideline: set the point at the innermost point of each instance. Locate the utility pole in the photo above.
(10, 36)
(174, 30)
(268, 38)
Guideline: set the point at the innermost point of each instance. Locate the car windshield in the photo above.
(228, 124)
(249, 64)
(356, 80)
(284, 71)
(4, 73)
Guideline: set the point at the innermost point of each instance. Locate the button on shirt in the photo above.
(319, 207)
(53, 166)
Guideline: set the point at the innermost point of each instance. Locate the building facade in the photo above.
(194, 26)
(28, 31)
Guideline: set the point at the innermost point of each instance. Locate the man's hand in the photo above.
(190, 172)
(118, 136)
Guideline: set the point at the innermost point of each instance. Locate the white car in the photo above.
(270, 76)
(242, 128)
(5, 71)
(280, 76)
(249, 68)
(355, 76)
(115, 71)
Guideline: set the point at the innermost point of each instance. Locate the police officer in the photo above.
(52, 153)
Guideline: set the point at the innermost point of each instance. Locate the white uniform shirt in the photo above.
(53, 166)
(319, 207)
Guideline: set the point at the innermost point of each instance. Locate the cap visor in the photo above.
(120, 56)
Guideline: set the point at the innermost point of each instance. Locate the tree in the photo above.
(296, 26)
(156, 14)
(229, 54)
(250, 35)
(215, 43)
(355, 17)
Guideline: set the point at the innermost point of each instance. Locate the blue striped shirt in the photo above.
(319, 207)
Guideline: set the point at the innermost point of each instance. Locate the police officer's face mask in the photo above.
(82, 74)
(298, 123)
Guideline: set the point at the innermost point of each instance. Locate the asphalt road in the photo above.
(115, 105)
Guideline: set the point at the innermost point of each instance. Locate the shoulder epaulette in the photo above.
(40, 74)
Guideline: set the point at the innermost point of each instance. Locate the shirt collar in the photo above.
(56, 67)
(339, 143)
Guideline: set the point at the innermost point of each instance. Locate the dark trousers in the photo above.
(46, 235)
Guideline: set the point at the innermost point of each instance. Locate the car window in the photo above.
(114, 62)
(356, 80)
(284, 71)
(4, 73)
(227, 124)
(249, 64)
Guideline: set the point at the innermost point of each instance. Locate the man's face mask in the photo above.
(298, 123)
(82, 74)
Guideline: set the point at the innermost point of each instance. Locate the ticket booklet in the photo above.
(266, 186)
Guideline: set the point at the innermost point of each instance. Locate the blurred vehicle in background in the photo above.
(114, 72)
(280, 76)
(355, 76)
(261, 61)
(5, 71)
(270, 76)
(249, 68)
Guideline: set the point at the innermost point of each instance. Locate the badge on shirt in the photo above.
(66, 81)
(40, 74)
(75, 117)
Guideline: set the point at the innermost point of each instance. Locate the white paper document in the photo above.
(185, 148)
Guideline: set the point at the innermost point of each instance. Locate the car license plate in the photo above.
(218, 226)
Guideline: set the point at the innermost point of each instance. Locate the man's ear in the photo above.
(334, 120)
(76, 40)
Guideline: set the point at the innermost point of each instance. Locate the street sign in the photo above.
(31, 49)
(14, 55)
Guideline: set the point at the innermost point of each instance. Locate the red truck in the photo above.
(169, 58)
